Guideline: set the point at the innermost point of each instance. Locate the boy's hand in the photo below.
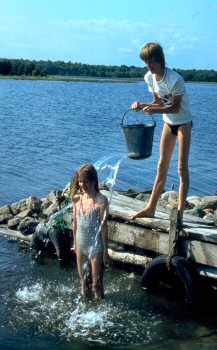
(136, 106)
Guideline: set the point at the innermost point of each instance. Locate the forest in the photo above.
(27, 68)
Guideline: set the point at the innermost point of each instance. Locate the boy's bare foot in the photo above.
(144, 213)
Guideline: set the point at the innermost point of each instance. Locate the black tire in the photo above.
(156, 273)
(187, 275)
(61, 241)
(179, 278)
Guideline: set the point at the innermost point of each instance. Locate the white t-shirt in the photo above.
(172, 84)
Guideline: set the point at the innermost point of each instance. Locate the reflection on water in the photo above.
(41, 307)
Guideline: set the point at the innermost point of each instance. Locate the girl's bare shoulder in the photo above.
(75, 199)
(102, 199)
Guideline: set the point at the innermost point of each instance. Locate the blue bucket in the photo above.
(139, 138)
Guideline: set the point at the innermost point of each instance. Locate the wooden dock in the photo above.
(151, 235)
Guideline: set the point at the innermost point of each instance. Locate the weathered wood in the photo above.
(173, 230)
(152, 234)
(201, 252)
(140, 237)
(129, 258)
(122, 207)
(14, 234)
(202, 234)
(207, 271)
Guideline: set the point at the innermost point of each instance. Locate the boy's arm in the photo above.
(155, 103)
(156, 107)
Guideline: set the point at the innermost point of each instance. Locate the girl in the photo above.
(170, 99)
(90, 232)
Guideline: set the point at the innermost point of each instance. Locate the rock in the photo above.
(189, 205)
(162, 203)
(66, 190)
(45, 204)
(14, 222)
(170, 196)
(101, 187)
(5, 217)
(195, 212)
(54, 195)
(210, 217)
(143, 197)
(6, 209)
(27, 226)
(172, 204)
(194, 200)
(19, 206)
(52, 209)
(25, 213)
(208, 202)
(207, 211)
(34, 204)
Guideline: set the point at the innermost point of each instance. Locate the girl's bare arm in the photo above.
(74, 231)
(104, 229)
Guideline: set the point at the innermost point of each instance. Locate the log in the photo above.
(129, 258)
(14, 234)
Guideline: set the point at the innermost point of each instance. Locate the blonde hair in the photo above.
(86, 172)
(153, 50)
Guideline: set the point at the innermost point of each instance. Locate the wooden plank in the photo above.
(203, 234)
(207, 271)
(14, 234)
(156, 223)
(123, 206)
(202, 253)
(129, 258)
(138, 237)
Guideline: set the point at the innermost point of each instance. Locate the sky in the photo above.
(110, 32)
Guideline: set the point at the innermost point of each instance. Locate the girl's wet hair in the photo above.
(153, 51)
(86, 172)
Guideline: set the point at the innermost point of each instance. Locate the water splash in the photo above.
(107, 169)
(31, 293)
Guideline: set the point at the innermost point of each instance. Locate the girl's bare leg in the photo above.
(84, 273)
(97, 275)
(184, 139)
(167, 144)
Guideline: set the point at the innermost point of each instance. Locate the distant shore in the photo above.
(82, 79)
(72, 79)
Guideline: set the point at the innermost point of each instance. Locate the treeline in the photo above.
(21, 67)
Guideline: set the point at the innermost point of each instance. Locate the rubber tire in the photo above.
(183, 268)
(181, 274)
(61, 242)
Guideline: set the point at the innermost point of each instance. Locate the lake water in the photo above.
(49, 129)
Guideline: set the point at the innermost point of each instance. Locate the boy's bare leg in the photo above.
(167, 144)
(184, 138)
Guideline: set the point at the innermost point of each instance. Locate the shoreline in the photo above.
(82, 79)
(79, 79)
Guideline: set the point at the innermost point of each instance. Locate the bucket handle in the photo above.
(129, 110)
